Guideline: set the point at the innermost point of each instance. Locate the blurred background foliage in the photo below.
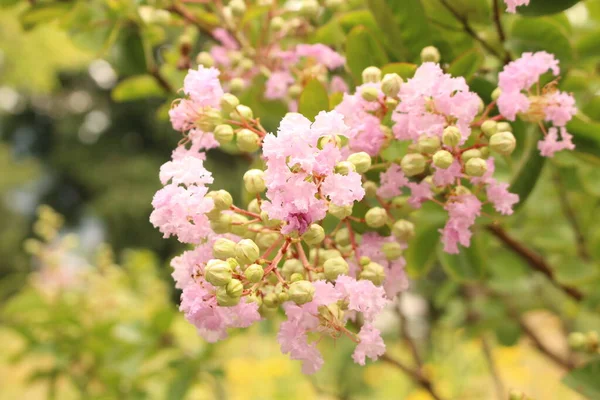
(84, 91)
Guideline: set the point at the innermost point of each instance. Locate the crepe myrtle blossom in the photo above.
(511, 5)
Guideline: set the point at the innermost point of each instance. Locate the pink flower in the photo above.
(462, 211)
(183, 115)
(278, 84)
(511, 5)
(362, 296)
(186, 264)
(551, 144)
(343, 190)
(391, 182)
(497, 192)
(419, 193)
(203, 87)
(226, 39)
(449, 176)
(338, 85)
(186, 171)
(371, 345)
(322, 54)
(560, 108)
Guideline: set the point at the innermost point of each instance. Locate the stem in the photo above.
(277, 258)
(405, 335)
(532, 335)
(500, 30)
(417, 376)
(244, 212)
(184, 13)
(489, 357)
(534, 260)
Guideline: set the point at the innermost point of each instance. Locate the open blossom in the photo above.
(203, 87)
(321, 54)
(431, 101)
(511, 5)
(393, 181)
(551, 143)
(371, 345)
(278, 84)
(462, 212)
(497, 192)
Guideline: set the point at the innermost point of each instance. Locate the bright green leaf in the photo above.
(529, 171)
(467, 265)
(405, 70)
(586, 134)
(362, 51)
(585, 379)
(467, 64)
(313, 99)
(136, 88)
(543, 33)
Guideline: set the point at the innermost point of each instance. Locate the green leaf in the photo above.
(465, 266)
(42, 13)
(136, 88)
(405, 70)
(586, 134)
(543, 33)
(545, 7)
(421, 253)
(467, 64)
(529, 171)
(362, 51)
(313, 99)
(585, 379)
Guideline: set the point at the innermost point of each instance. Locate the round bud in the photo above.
(242, 112)
(403, 230)
(301, 292)
(283, 297)
(292, 266)
(390, 102)
(503, 143)
(451, 136)
(369, 93)
(224, 248)
(342, 237)
(461, 191)
(314, 234)
(254, 206)
(376, 217)
(221, 198)
(236, 85)
(392, 250)
(577, 340)
(430, 54)
(476, 167)
(224, 299)
(234, 288)
(373, 272)
(370, 188)
(271, 300)
(239, 225)
(254, 181)
(254, 273)
(334, 267)
(340, 212)
(309, 8)
(467, 155)
(294, 91)
(485, 152)
(371, 74)
(480, 106)
(217, 272)
(223, 133)
(204, 58)
(247, 141)
(361, 161)
(246, 251)
(295, 277)
(413, 164)
(428, 144)
(270, 223)
(443, 159)
(335, 139)
(515, 394)
(496, 93)
(229, 102)
(504, 127)
(344, 167)
(222, 224)
(277, 23)
(209, 119)
(246, 64)
(238, 7)
(364, 260)
(390, 84)
(489, 127)
(264, 240)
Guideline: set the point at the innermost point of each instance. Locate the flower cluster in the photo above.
(511, 5)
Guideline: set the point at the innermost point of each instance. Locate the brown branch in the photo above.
(534, 260)
(565, 364)
(406, 336)
(500, 30)
(184, 13)
(161, 80)
(417, 376)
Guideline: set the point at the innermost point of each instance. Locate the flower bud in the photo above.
(504, 127)
(277, 24)
(413, 164)
(295, 277)
(309, 8)
(236, 85)
(283, 297)
(224, 248)
(226, 300)
(217, 272)
(369, 93)
(246, 64)
(335, 139)
(496, 93)
(376, 217)
(403, 230)
(340, 212)
(221, 198)
(271, 300)
(221, 224)
(390, 102)
(503, 143)
(234, 288)
(334, 267)
(292, 266)
(443, 159)
(229, 102)
(370, 188)
(361, 161)
(239, 225)
(390, 85)
(254, 273)
(489, 127)
(264, 240)
(301, 292)
(392, 250)
(238, 7)
(242, 112)
(577, 340)
(247, 141)
(461, 191)
(451, 136)
(472, 153)
(373, 272)
(515, 394)
(485, 152)
(476, 167)
(209, 119)
(428, 144)
(371, 75)
(294, 91)
(223, 133)
(246, 251)
(430, 54)
(254, 181)
(314, 234)
(204, 58)
(270, 223)
(344, 167)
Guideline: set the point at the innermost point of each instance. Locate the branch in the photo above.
(566, 364)
(500, 30)
(406, 336)
(184, 13)
(417, 376)
(161, 80)
(534, 260)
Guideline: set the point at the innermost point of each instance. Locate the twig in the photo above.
(534, 260)
(566, 364)
(184, 13)
(417, 376)
(406, 336)
(161, 80)
(500, 30)
(487, 352)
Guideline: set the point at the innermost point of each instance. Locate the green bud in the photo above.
(224, 248)
(369, 93)
(443, 159)
(309, 8)
(236, 85)
(485, 152)
(246, 64)
(235, 56)
(340, 212)
(467, 155)
(254, 273)
(295, 91)
(428, 144)
(223, 133)
(496, 93)
(283, 297)
(451, 136)
(221, 224)
(371, 75)
(247, 140)
(430, 54)
(238, 7)
(264, 240)
(301, 292)
(254, 181)
(233, 263)
(209, 119)
(413, 164)
(292, 266)
(246, 251)
(373, 272)
(334, 267)
(503, 143)
(461, 191)
(271, 223)
(271, 300)
(277, 24)
(376, 217)
(204, 58)
(392, 250)
(314, 234)
(476, 167)
(218, 272)
(370, 188)
(515, 394)
(391, 103)
(403, 230)
(234, 288)
(254, 206)
(480, 106)
(344, 167)
(364, 260)
(296, 277)
(390, 84)
(504, 127)
(240, 226)
(577, 340)
(241, 113)
(224, 299)
(221, 198)
(361, 161)
(229, 102)
(325, 255)
(489, 127)
(335, 139)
